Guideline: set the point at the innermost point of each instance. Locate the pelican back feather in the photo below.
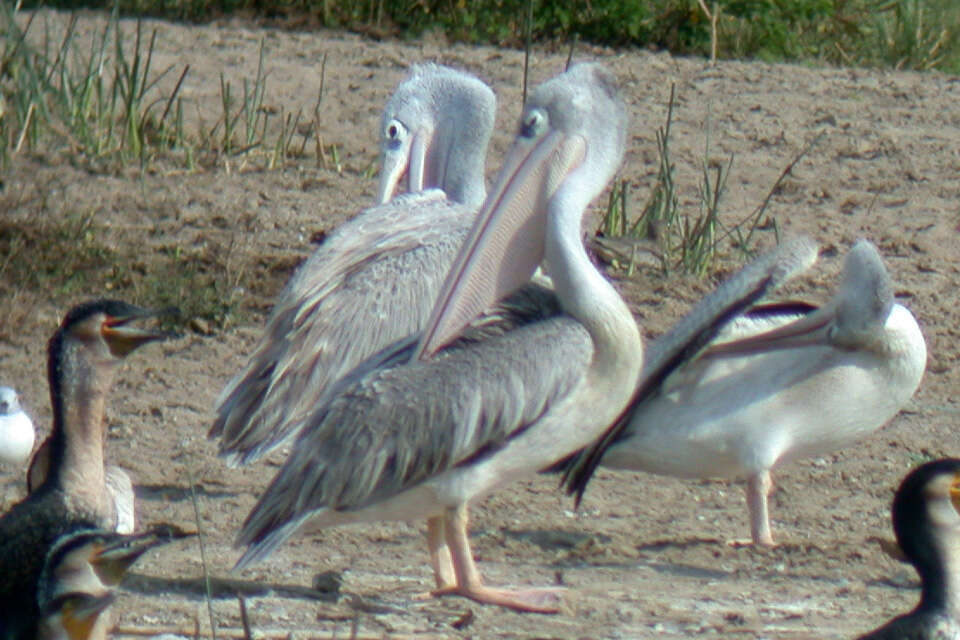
(373, 282)
(410, 421)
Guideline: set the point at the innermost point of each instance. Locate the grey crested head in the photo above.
(866, 295)
(583, 101)
(435, 129)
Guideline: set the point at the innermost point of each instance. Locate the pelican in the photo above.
(422, 438)
(375, 279)
(118, 483)
(16, 430)
(419, 430)
(926, 521)
(784, 382)
(85, 354)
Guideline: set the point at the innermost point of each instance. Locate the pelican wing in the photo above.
(410, 423)
(373, 282)
(690, 335)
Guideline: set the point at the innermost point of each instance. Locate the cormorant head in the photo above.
(926, 521)
(73, 615)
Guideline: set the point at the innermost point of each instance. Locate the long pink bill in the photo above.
(410, 165)
(506, 243)
(811, 330)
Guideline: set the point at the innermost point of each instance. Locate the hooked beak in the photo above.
(955, 493)
(507, 241)
(110, 562)
(410, 160)
(811, 330)
(79, 619)
(123, 339)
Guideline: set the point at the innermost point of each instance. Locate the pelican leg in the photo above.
(758, 490)
(440, 559)
(468, 581)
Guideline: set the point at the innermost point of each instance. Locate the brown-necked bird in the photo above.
(85, 354)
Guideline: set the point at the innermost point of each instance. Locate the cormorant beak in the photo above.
(124, 339)
(111, 561)
(955, 493)
(79, 618)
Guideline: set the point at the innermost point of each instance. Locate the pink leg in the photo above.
(471, 586)
(758, 489)
(440, 558)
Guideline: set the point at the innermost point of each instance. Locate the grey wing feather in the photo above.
(373, 282)
(690, 335)
(411, 422)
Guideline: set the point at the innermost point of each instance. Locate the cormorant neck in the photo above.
(941, 579)
(78, 394)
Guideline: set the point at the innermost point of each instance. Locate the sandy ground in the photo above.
(645, 556)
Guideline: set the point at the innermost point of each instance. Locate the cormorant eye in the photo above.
(533, 123)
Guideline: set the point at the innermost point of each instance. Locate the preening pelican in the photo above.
(423, 438)
(926, 521)
(435, 131)
(375, 279)
(784, 382)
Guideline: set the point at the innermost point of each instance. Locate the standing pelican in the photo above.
(926, 521)
(785, 382)
(422, 439)
(16, 429)
(375, 279)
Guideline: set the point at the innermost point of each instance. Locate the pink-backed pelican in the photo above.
(407, 438)
(374, 280)
(782, 383)
(423, 438)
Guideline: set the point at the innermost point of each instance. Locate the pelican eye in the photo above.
(394, 132)
(533, 124)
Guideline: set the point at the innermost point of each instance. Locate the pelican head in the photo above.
(581, 105)
(570, 142)
(435, 131)
(865, 299)
(853, 320)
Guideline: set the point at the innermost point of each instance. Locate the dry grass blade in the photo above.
(203, 559)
